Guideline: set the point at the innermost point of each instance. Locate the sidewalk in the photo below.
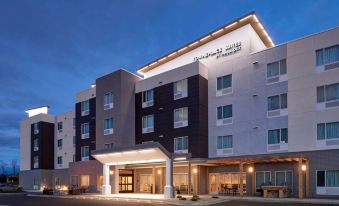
(204, 199)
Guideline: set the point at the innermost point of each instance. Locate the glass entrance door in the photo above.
(126, 181)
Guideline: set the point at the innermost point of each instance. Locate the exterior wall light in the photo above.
(159, 172)
(303, 168)
(250, 169)
(195, 171)
(111, 172)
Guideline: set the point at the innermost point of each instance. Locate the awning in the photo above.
(149, 152)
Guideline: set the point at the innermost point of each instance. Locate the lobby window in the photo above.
(85, 131)
(278, 136)
(60, 143)
(85, 108)
(277, 102)
(224, 142)
(181, 117)
(108, 126)
(147, 98)
(224, 85)
(328, 131)
(180, 89)
(108, 146)
(59, 160)
(60, 126)
(262, 178)
(224, 115)
(75, 181)
(327, 55)
(36, 128)
(36, 144)
(36, 162)
(328, 93)
(284, 178)
(328, 178)
(84, 153)
(84, 181)
(181, 144)
(108, 101)
(147, 124)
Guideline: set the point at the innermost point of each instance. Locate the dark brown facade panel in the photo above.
(45, 138)
(90, 118)
(163, 111)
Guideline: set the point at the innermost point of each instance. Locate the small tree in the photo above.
(14, 166)
(3, 166)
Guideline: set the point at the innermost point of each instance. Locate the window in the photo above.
(75, 181)
(276, 68)
(85, 108)
(108, 123)
(147, 124)
(84, 153)
(108, 101)
(328, 93)
(73, 123)
(262, 179)
(181, 144)
(284, 178)
(74, 158)
(224, 112)
(57, 181)
(277, 136)
(85, 130)
(224, 142)
(180, 117)
(327, 55)
(36, 128)
(277, 102)
(328, 130)
(60, 143)
(108, 98)
(108, 146)
(36, 162)
(224, 82)
(60, 160)
(147, 98)
(84, 181)
(180, 89)
(328, 178)
(35, 144)
(74, 140)
(59, 126)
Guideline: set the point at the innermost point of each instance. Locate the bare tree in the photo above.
(3, 166)
(14, 166)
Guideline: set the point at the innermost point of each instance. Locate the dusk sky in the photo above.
(50, 50)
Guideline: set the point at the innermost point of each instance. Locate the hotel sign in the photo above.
(221, 52)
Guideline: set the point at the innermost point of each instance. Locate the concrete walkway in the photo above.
(204, 199)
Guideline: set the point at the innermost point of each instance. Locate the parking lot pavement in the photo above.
(20, 199)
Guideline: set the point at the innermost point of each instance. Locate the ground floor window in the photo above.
(57, 182)
(226, 183)
(146, 183)
(329, 178)
(84, 180)
(75, 181)
(262, 178)
(284, 178)
(180, 182)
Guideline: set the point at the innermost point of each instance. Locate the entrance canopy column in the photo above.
(106, 187)
(169, 190)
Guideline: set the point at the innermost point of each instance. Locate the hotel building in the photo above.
(230, 112)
